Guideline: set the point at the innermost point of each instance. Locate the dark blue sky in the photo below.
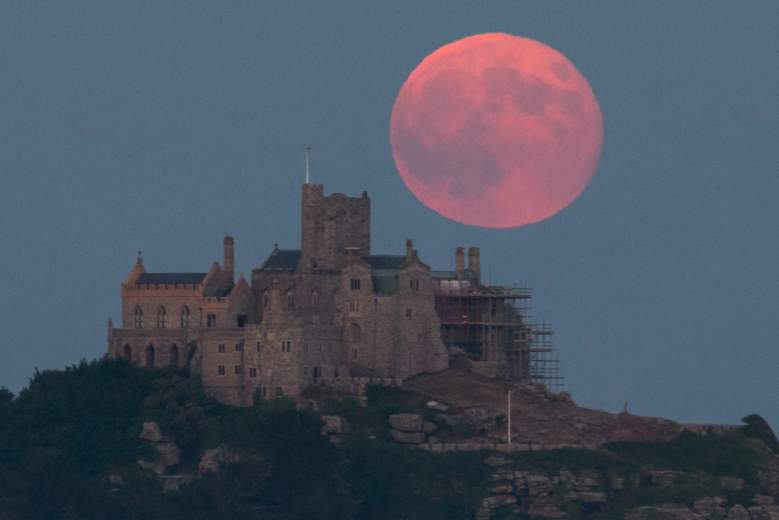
(163, 125)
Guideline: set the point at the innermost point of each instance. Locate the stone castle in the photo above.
(323, 314)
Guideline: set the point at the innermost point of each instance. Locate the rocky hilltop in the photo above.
(110, 440)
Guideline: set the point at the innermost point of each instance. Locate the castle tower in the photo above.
(229, 258)
(330, 225)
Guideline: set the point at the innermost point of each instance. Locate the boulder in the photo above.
(406, 422)
(214, 458)
(168, 453)
(151, 432)
(437, 406)
(758, 513)
(407, 437)
(738, 512)
(334, 424)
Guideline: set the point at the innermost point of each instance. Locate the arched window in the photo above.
(162, 317)
(185, 317)
(265, 299)
(150, 355)
(128, 353)
(138, 317)
(356, 333)
(290, 299)
(174, 355)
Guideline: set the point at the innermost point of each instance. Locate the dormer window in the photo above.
(162, 317)
(185, 317)
(138, 317)
(354, 283)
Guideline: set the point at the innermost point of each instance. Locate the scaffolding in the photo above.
(492, 324)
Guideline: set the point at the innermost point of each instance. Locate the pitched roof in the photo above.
(170, 278)
(385, 261)
(282, 259)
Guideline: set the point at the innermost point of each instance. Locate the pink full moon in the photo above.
(496, 130)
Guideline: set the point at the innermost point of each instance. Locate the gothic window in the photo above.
(259, 347)
(138, 317)
(184, 317)
(354, 283)
(150, 355)
(316, 372)
(221, 348)
(128, 353)
(290, 300)
(252, 372)
(162, 317)
(356, 333)
(239, 347)
(220, 370)
(286, 345)
(354, 307)
(413, 284)
(211, 321)
(408, 312)
(265, 299)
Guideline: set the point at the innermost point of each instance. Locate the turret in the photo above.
(229, 258)
(474, 262)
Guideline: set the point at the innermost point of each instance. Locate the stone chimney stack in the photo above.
(473, 261)
(409, 250)
(229, 258)
(459, 260)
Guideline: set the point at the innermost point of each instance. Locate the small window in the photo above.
(211, 321)
(220, 370)
(317, 372)
(279, 391)
(138, 317)
(286, 345)
(265, 300)
(264, 391)
(354, 307)
(259, 347)
(290, 300)
(354, 353)
(413, 285)
(239, 347)
(237, 369)
(252, 372)
(315, 300)
(408, 312)
(354, 283)
(221, 348)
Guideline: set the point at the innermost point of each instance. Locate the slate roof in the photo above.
(170, 278)
(385, 261)
(283, 259)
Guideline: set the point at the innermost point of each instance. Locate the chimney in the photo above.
(459, 260)
(409, 250)
(229, 258)
(473, 261)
